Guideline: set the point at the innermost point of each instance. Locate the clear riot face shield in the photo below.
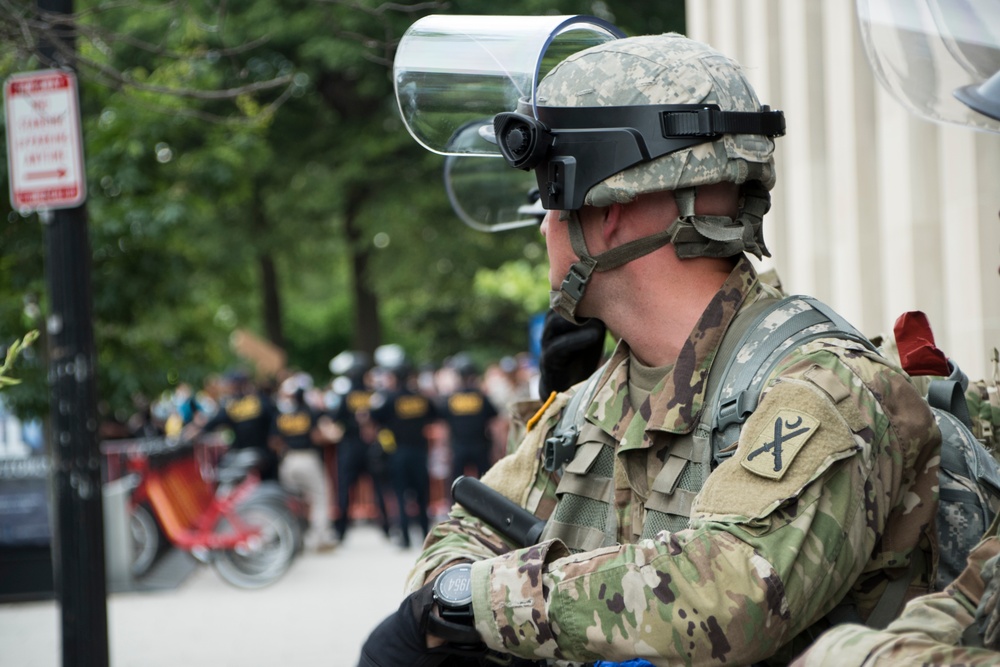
(939, 58)
(454, 74)
(466, 85)
(484, 192)
(489, 196)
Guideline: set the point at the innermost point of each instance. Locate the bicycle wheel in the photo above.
(265, 559)
(145, 536)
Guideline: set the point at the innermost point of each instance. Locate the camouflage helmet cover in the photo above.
(664, 69)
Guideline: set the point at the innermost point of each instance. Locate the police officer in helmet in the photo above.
(358, 450)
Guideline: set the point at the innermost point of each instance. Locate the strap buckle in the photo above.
(577, 278)
(735, 410)
(559, 448)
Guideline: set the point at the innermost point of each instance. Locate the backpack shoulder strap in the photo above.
(560, 447)
(948, 394)
(757, 340)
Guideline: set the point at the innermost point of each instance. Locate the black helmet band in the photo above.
(573, 149)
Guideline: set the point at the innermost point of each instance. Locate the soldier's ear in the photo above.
(611, 224)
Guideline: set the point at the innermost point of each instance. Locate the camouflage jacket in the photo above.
(764, 556)
(983, 399)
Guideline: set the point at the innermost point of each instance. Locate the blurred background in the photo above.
(255, 205)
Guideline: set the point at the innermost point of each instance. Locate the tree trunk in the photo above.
(367, 331)
(271, 300)
(270, 296)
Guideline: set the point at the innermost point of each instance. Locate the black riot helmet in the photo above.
(391, 358)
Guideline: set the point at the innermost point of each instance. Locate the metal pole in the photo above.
(78, 536)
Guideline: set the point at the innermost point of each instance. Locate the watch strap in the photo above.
(456, 633)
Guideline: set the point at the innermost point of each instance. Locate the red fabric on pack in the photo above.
(917, 352)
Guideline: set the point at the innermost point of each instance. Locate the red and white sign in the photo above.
(44, 144)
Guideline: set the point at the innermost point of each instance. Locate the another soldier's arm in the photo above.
(929, 632)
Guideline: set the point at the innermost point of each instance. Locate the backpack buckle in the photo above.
(735, 410)
(559, 448)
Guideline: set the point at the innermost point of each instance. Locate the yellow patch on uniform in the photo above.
(465, 403)
(244, 409)
(774, 446)
(296, 423)
(387, 440)
(411, 406)
(359, 400)
(538, 415)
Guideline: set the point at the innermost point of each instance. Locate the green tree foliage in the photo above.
(248, 169)
(10, 356)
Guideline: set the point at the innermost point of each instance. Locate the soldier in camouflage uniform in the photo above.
(829, 494)
(983, 398)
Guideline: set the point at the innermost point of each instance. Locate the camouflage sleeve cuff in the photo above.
(482, 610)
(507, 596)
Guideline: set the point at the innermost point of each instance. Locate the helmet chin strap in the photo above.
(566, 299)
(692, 236)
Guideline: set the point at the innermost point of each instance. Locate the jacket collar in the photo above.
(675, 404)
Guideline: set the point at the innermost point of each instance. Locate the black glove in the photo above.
(401, 639)
(570, 352)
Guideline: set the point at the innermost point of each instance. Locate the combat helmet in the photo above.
(391, 359)
(667, 69)
(695, 121)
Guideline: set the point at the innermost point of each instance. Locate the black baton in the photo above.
(500, 513)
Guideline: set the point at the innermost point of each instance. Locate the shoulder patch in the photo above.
(773, 448)
(796, 421)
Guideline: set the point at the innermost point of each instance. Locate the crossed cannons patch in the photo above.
(777, 442)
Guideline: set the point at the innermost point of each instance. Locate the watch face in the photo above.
(454, 586)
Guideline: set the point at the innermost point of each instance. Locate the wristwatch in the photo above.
(452, 593)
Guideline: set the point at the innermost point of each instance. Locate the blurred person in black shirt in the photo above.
(358, 449)
(470, 416)
(295, 436)
(247, 411)
(404, 417)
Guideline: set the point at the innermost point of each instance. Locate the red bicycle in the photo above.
(248, 530)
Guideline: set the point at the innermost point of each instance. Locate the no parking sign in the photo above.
(44, 143)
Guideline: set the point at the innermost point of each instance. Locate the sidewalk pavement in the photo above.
(318, 614)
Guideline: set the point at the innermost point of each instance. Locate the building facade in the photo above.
(876, 211)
